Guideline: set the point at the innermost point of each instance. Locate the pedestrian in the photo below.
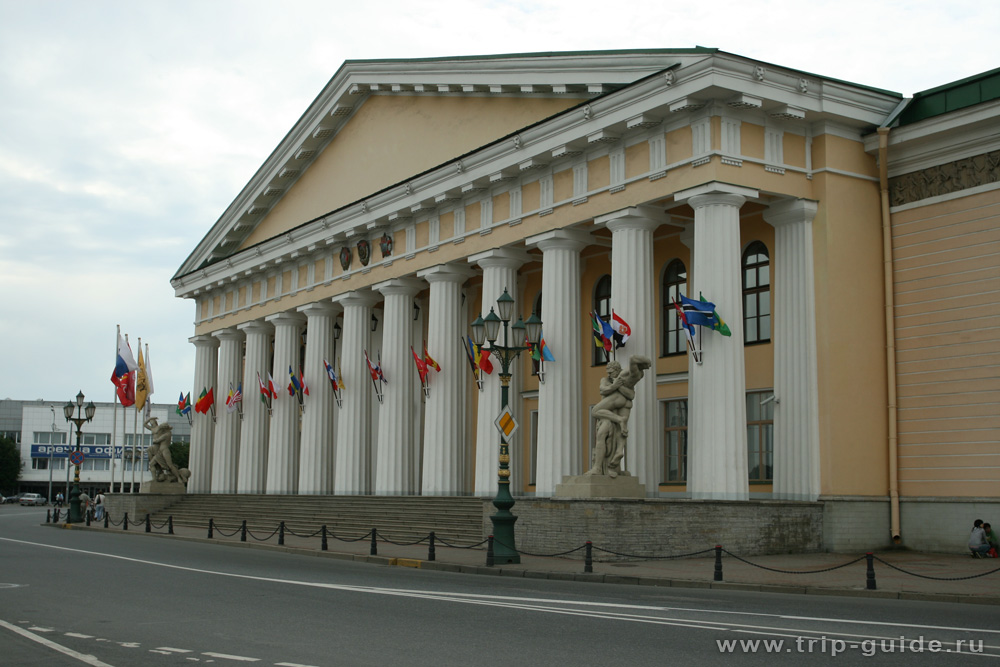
(991, 539)
(59, 499)
(99, 506)
(977, 540)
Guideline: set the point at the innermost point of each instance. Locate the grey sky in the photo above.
(126, 128)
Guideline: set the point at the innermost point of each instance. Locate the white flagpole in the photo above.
(114, 418)
(135, 414)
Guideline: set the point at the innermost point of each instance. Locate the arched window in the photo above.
(673, 286)
(756, 294)
(602, 308)
(537, 310)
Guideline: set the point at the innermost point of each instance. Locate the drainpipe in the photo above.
(890, 334)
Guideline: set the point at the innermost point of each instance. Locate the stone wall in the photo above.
(138, 505)
(944, 524)
(852, 524)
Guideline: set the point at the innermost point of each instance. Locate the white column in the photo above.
(633, 285)
(499, 273)
(560, 397)
(206, 365)
(796, 410)
(283, 437)
(351, 471)
(717, 430)
(394, 451)
(444, 455)
(225, 459)
(316, 450)
(253, 434)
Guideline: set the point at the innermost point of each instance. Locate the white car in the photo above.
(33, 499)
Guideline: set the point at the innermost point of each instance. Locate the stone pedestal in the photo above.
(600, 486)
(164, 488)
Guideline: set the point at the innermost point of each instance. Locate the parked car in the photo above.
(32, 499)
(12, 500)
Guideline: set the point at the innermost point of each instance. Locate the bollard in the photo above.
(106, 518)
(489, 551)
(374, 550)
(170, 525)
(149, 524)
(210, 526)
(243, 531)
(871, 571)
(323, 544)
(48, 516)
(588, 559)
(125, 522)
(718, 562)
(89, 515)
(430, 547)
(281, 534)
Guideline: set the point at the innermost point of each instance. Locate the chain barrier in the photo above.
(461, 546)
(639, 557)
(927, 576)
(349, 539)
(262, 539)
(289, 531)
(224, 533)
(403, 544)
(772, 569)
(528, 553)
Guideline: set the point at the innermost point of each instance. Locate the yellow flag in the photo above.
(141, 384)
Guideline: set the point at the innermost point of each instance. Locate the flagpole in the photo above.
(135, 420)
(114, 419)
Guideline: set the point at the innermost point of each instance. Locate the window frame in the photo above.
(670, 326)
(602, 309)
(758, 294)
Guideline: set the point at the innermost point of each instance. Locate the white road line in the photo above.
(78, 635)
(38, 629)
(225, 656)
(502, 600)
(172, 650)
(82, 657)
(291, 664)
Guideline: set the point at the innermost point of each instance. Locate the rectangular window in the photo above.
(40, 464)
(96, 464)
(674, 419)
(49, 438)
(97, 438)
(145, 439)
(760, 435)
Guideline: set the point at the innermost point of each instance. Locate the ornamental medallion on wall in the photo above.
(345, 258)
(385, 245)
(364, 252)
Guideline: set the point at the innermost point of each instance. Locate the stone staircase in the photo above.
(458, 520)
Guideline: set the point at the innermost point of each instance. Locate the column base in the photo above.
(166, 488)
(600, 486)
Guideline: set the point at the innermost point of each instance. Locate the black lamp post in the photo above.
(504, 550)
(82, 415)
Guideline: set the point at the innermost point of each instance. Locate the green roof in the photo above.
(952, 97)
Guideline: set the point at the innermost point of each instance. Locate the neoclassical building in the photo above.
(847, 236)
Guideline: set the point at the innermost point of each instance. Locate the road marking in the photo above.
(82, 657)
(172, 650)
(38, 629)
(291, 664)
(224, 656)
(78, 635)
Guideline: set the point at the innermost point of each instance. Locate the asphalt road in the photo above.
(77, 597)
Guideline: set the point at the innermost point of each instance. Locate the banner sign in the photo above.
(89, 451)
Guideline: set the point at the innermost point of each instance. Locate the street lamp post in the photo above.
(82, 415)
(504, 549)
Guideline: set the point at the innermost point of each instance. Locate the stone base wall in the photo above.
(138, 505)
(665, 527)
(853, 524)
(943, 525)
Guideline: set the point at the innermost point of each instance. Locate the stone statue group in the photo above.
(612, 413)
(161, 463)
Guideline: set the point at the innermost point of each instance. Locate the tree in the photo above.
(179, 452)
(10, 464)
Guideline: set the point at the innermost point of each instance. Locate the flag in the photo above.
(235, 397)
(270, 387)
(205, 401)
(331, 374)
(340, 376)
(429, 361)
(597, 332)
(421, 366)
(302, 382)
(699, 313)
(469, 346)
(533, 350)
(149, 376)
(720, 325)
(184, 404)
(602, 332)
(371, 369)
(264, 393)
(141, 384)
(545, 350)
(123, 374)
(378, 369)
(483, 360)
(621, 328)
(294, 386)
(230, 406)
(688, 327)
(125, 363)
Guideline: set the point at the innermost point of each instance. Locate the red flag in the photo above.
(429, 361)
(125, 388)
(421, 366)
(205, 401)
(484, 361)
(371, 369)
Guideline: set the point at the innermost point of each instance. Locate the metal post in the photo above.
(48, 516)
(170, 524)
(89, 515)
(323, 544)
(210, 527)
(106, 519)
(588, 560)
(489, 551)
(149, 524)
(374, 550)
(430, 547)
(281, 534)
(871, 571)
(243, 531)
(125, 522)
(718, 562)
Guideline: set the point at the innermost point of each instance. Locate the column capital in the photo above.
(287, 317)
(446, 273)
(318, 308)
(230, 333)
(356, 298)
(204, 340)
(508, 258)
(788, 211)
(256, 326)
(716, 192)
(404, 286)
(570, 239)
(633, 217)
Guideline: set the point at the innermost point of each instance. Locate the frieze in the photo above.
(945, 178)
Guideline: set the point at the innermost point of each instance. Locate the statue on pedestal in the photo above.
(161, 463)
(612, 413)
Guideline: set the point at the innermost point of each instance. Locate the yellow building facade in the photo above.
(846, 235)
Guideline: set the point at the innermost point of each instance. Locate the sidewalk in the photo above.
(958, 577)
